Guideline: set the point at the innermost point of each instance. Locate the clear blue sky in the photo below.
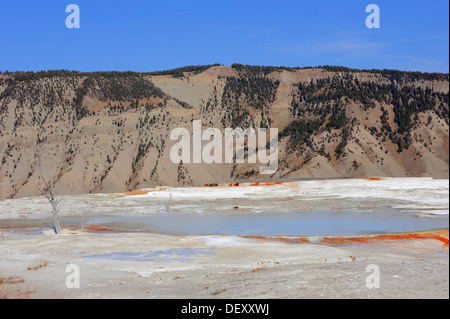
(156, 35)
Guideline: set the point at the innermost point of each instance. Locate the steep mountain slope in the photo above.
(109, 132)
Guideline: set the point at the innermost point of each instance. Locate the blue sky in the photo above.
(157, 35)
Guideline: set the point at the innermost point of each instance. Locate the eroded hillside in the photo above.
(109, 132)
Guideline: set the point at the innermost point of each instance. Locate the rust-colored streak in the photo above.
(440, 235)
(137, 192)
(274, 183)
(266, 183)
(10, 230)
(101, 228)
(373, 179)
(285, 199)
(98, 228)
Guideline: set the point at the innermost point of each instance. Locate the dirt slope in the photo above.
(109, 132)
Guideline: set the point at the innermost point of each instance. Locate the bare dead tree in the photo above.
(87, 211)
(48, 191)
(168, 207)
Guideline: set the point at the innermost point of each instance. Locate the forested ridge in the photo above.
(109, 131)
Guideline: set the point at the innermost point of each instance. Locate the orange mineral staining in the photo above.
(137, 192)
(285, 199)
(440, 235)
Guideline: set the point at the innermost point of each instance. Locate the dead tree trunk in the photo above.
(55, 213)
(85, 212)
(48, 191)
(168, 207)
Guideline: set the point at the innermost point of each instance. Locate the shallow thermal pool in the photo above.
(298, 208)
(300, 223)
